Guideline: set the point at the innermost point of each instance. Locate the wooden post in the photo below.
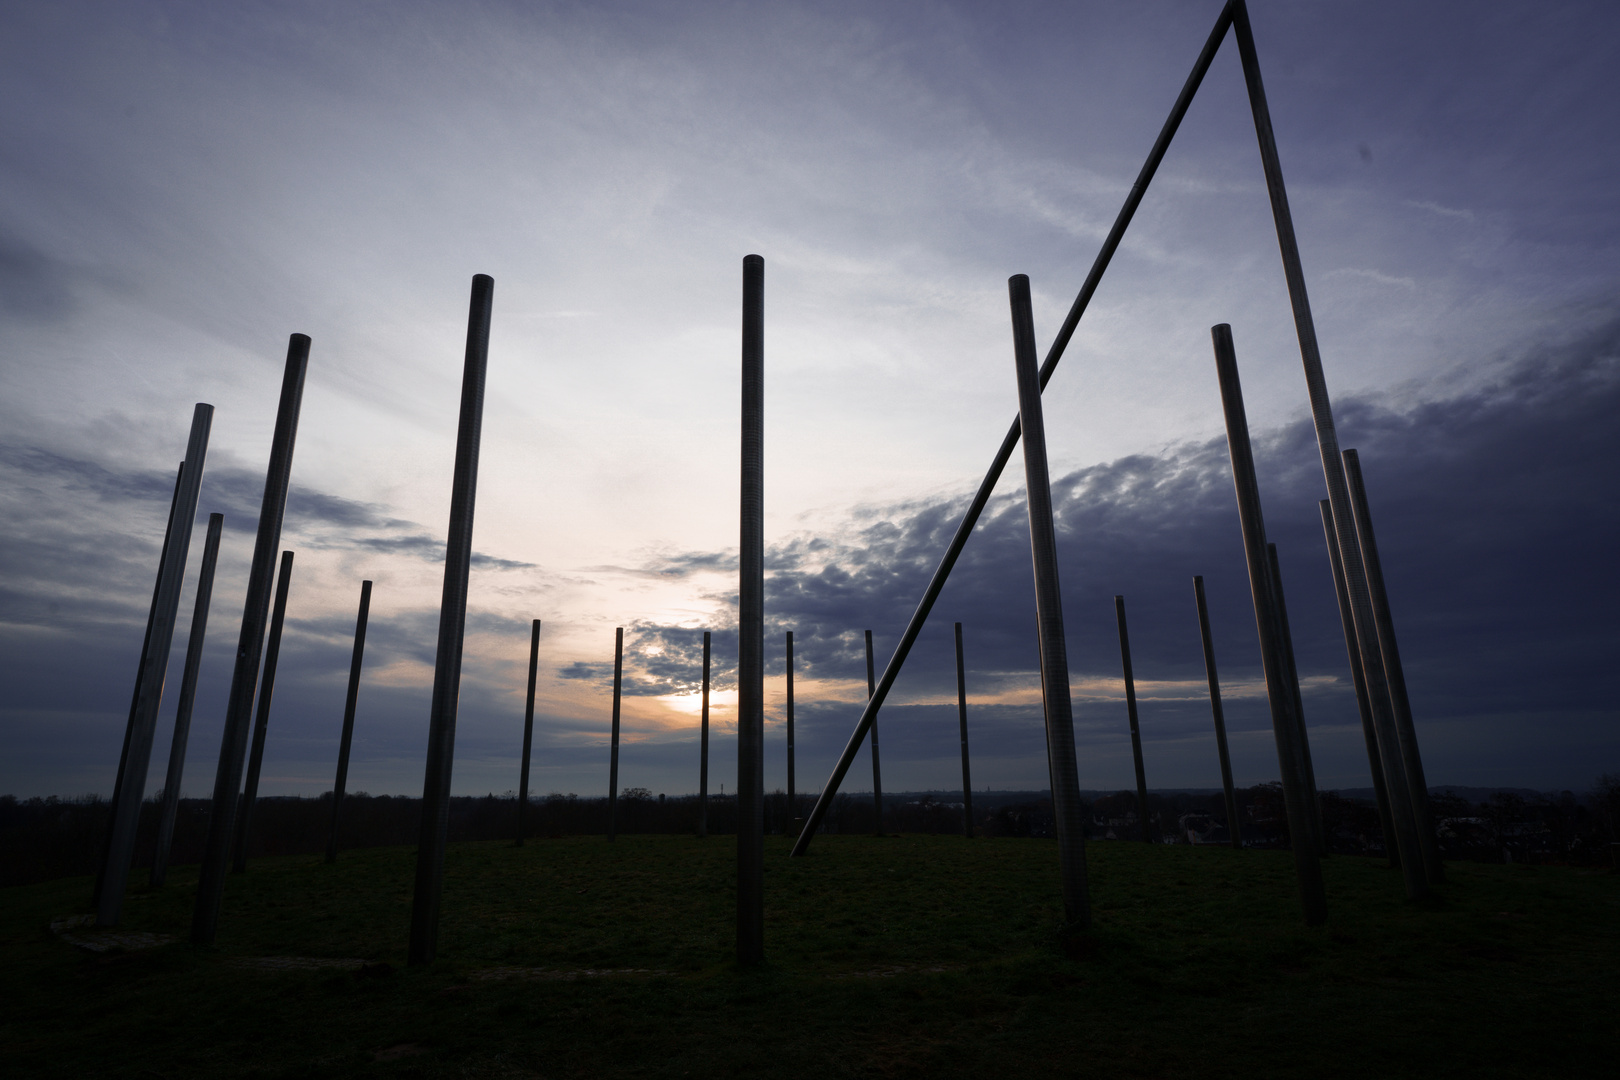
(793, 802)
(1130, 710)
(188, 696)
(1285, 638)
(261, 723)
(245, 675)
(751, 628)
(613, 743)
(1234, 823)
(877, 771)
(452, 628)
(703, 748)
(349, 702)
(961, 716)
(1049, 614)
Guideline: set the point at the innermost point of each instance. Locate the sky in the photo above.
(182, 186)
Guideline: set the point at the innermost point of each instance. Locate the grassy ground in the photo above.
(910, 956)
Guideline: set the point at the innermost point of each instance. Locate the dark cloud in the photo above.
(33, 286)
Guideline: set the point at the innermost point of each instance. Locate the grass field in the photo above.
(895, 957)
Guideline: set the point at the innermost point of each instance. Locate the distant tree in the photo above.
(637, 793)
(1606, 801)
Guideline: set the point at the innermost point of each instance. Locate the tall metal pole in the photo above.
(135, 697)
(877, 771)
(1234, 823)
(751, 627)
(340, 783)
(1363, 706)
(256, 609)
(188, 696)
(793, 802)
(127, 811)
(1130, 710)
(1405, 731)
(981, 498)
(261, 722)
(528, 728)
(452, 629)
(613, 745)
(703, 748)
(961, 716)
(1285, 638)
(1049, 613)
(1284, 726)
(1327, 442)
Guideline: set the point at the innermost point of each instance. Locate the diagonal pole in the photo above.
(341, 781)
(261, 722)
(1285, 639)
(961, 716)
(1130, 711)
(1234, 822)
(981, 498)
(877, 769)
(528, 728)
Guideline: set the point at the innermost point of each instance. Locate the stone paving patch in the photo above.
(81, 931)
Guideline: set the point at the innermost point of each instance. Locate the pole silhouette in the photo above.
(340, 783)
(528, 728)
(261, 723)
(751, 627)
(877, 771)
(1285, 638)
(961, 716)
(613, 742)
(793, 802)
(703, 748)
(1130, 710)
(1234, 823)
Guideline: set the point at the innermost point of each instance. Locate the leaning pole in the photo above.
(961, 717)
(703, 748)
(1049, 617)
(452, 628)
(188, 697)
(751, 627)
(613, 741)
(877, 770)
(1234, 824)
(239, 710)
(127, 811)
(1130, 712)
(528, 728)
(341, 781)
(1285, 637)
(261, 722)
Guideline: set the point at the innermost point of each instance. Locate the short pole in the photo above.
(1286, 637)
(703, 748)
(1130, 710)
(340, 784)
(613, 742)
(793, 802)
(751, 627)
(961, 717)
(245, 675)
(1234, 823)
(261, 723)
(877, 770)
(435, 822)
(1049, 615)
(188, 696)
(528, 729)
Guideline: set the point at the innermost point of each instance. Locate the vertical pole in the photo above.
(1363, 706)
(1136, 731)
(1285, 637)
(793, 802)
(961, 716)
(135, 697)
(1285, 728)
(239, 709)
(528, 728)
(1234, 823)
(1049, 612)
(127, 811)
(452, 628)
(751, 627)
(877, 771)
(703, 748)
(261, 723)
(340, 783)
(613, 743)
(188, 696)
(1405, 731)
(1327, 443)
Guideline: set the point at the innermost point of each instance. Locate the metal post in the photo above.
(981, 498)
(877, 772)
(1234, 823)
(1285, 638)
(261, 723)
(256, 609)
(528, 728)
(1363, 706)
(340, 783)
(1049, 612)
(793, 802)
(1327, 442)
(1405, 731)
(1285, 728)
(127, 811)
(751, 627)
(961, 716)
(452, 628)
(188, 696)
(613, 751)
(703, 748)
(1130, 710)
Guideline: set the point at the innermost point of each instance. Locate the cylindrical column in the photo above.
(877, 769)
(340, 784)
(452, 629)
(961, 717)
(528, 729)
(1136, 731)
(245, 675)
(261, 722)
(1049, 613)
(1405, 731)
(703, 748)
(613, 742)
(751, 628)
(793, 802)
(1284, 726)
(1285, 638)
(188, 696)
(127, 811)
(1234, 823)
(1347, 622)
